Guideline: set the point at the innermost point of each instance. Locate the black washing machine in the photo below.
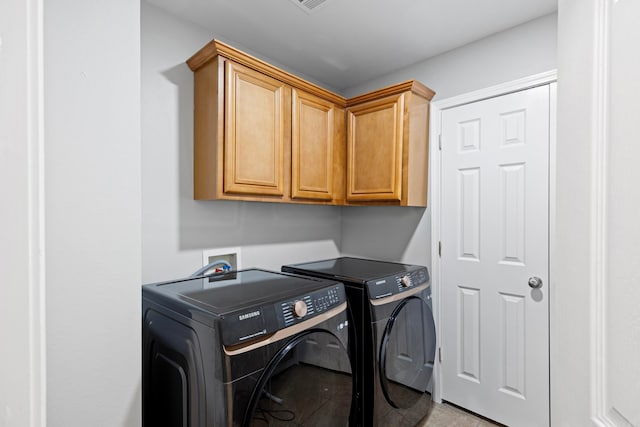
(246, 348)
(395, 345)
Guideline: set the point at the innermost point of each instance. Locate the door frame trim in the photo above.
(25, 276)
(435, 182)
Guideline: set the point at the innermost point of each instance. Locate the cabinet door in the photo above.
(257, 130)
(374, 150)
(312, 147)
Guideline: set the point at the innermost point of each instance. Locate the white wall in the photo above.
(175, 228)
(92, 205)
(620, 316)
(570, 300)
(404, 233)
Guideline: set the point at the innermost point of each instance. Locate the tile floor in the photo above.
(446, 415)
(303, 392)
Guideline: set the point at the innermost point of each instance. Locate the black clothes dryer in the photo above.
(245, 348)
(390, 304)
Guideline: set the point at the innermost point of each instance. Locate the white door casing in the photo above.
(23, 373)
(613, 200)
(494, 222)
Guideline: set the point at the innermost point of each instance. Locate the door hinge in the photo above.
(440, 249)
(439, 141)
(440, 354)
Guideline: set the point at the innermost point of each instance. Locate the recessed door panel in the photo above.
(469, 333)
(512, 213)
(469, 221)
(469, 136)
(513, 336)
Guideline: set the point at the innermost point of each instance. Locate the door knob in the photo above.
(535, 282)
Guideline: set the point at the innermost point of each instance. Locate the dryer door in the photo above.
(307, 382)
(407, 353)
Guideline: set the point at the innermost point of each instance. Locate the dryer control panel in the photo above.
(397, 283)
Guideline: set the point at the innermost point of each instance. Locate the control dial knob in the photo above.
(405, 281)
(299, 309)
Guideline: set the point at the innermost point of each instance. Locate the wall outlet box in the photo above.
(230, 255)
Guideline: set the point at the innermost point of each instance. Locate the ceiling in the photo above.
(342, 43)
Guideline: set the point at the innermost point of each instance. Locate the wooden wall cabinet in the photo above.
(388, 146)
(317, 149)
(263, 134)
(257, 115)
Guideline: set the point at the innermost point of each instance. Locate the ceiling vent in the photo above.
(309, 5)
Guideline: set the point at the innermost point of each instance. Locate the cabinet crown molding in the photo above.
(217, 48)
(395, 89)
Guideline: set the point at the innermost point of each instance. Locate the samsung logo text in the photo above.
(250, 315)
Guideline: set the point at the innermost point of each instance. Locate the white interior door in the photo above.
(494, 236)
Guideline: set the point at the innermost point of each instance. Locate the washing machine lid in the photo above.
(224, 293)
(354, 270)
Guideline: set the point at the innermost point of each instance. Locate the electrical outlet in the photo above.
(230, 255)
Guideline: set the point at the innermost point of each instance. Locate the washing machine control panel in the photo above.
(397, 283)
(259, 322)
(301, 308)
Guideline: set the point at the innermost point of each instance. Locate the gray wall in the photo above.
(405, 233)
(175, 228)
(92, 205)
(518, 52)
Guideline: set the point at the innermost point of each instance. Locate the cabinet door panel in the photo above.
(374, 147)
(312, 147)
(256, 134)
